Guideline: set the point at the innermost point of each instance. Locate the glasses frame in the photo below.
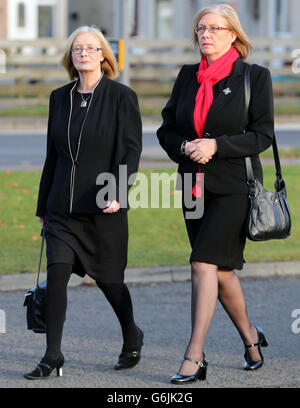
(85, 48)
(208, 29)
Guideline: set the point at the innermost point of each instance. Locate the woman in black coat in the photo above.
(93, 146)
(206, 131)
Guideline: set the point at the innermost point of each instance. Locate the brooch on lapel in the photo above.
(227, 91)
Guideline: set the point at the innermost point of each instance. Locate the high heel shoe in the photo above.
(262, 342)
(45, 368)
(130, 358)
(199, 375)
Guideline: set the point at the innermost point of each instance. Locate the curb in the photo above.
(154, 275)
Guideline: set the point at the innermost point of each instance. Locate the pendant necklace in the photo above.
(84, 101)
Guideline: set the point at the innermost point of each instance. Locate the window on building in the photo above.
(282, 16)
(45, 21)
(164, 18)
(133, 16)
(21, 15)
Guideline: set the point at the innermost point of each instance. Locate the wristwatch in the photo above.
(182, 147)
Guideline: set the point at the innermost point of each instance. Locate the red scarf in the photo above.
(208, 76)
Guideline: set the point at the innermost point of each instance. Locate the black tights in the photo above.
(117, 294)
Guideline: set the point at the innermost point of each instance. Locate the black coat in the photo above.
(111, 136)
(225, 173)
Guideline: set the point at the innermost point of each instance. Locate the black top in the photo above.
(77, 118)
(81, 240)
(111, 137)
(226, 122)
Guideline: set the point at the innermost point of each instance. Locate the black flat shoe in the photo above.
(45, 368)
(262, 342)
(200, 374)
(128, 359)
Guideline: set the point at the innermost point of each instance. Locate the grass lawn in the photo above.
(290, 153)
(147, 109)
(157, 236)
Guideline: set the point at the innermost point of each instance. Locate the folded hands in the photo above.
(201, 150)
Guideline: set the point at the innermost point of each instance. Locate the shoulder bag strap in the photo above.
(41, 254)
(249, 168)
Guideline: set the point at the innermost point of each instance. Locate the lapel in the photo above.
(191, 92)
(233, 81)
(88, 126)
(62, 114)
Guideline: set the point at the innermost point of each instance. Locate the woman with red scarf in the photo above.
(207, 132)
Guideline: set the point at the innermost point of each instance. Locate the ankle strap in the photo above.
(45, 365)
(252, 345)
(199, 363)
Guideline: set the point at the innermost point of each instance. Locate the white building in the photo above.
(259, 18)
(29, 19)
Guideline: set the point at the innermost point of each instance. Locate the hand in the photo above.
(202, 150)
(41, 221)
(112, 207)
(190, 147)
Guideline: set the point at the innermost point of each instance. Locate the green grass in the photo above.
(286, 153)
(146, 110)
(35, 110)
(287, 249)
(287, 109)
(19, 229)
(157, 236)
(42, 110)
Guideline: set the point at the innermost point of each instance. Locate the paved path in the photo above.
(92, 339)
(160, 274)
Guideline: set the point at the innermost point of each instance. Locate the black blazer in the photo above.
(111, 136)
(225, 173)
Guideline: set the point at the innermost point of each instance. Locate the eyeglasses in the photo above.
(211, 29)
(90, 50)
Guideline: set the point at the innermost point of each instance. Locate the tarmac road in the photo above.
(92, 339)
(26, 149)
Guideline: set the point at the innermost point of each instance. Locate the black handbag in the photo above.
(269, 215)
(35, 300)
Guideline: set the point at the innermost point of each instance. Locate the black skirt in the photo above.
(95, 245)
(219, 237)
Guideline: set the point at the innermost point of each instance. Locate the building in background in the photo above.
(29, 19)
(260, 18)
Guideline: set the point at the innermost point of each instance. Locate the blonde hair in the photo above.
(242, 43)
(109, 65)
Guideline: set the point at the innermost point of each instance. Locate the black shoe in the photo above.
(262, 342)
(200, 374)
(45, 368)
(128, 359)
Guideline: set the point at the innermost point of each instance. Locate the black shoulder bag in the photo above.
(35, 300)
(269, 214)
